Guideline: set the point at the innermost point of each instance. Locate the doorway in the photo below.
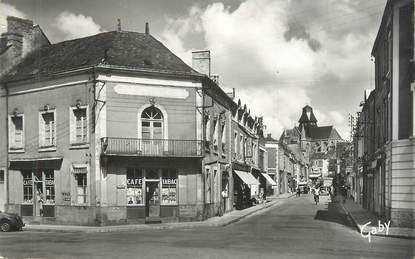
(38, 193)
(152, 199)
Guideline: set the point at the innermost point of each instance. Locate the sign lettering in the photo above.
(27, 182)
(136, 181)
(169, 181)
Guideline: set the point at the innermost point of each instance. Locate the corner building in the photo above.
(103, 130)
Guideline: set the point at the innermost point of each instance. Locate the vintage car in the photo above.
(10, 221)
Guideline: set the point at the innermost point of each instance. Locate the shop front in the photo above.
(246, 189)
(149, 190)
(151, 193)
(33, 193)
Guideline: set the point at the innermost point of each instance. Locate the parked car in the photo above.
(10, 221)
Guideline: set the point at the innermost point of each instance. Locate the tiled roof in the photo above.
(116, 48)
(325, 132)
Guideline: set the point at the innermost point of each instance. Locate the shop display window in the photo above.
(27, 187)
(135, 187)
(50, 187)
(169, 187)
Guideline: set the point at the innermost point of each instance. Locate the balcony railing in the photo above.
(151, 147)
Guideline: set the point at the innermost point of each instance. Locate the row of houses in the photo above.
(383, 178)
(115, 129)
(307, 154)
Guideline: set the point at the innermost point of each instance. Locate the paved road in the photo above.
(296, 228)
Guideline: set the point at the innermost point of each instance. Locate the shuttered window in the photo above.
(79, 125)
(16, 132)
(47, 129)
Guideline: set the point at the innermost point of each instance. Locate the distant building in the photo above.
(320, 141)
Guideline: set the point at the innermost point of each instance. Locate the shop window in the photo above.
(169, 187)
(27, 187)
(50, 187)
(134, 186)
(16, 132)
(81, 179)
(47, 129)
(79, 125)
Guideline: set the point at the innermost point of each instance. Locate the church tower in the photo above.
(307, 119)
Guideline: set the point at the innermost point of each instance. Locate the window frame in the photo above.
(74, 197)
(42, 145)
(13, 148)
(72, 128)
(169, 186)
(136, 171)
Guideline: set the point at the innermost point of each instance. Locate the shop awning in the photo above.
(314, 175)
(247, 178)
(269, 179)
(35, 163)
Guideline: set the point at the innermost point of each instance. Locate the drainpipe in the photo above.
(203, 150)
(7, 148)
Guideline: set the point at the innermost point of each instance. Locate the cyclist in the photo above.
(316, 192)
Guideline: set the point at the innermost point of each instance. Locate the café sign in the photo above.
(134, 181)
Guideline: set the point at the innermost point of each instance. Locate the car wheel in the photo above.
(5, 226)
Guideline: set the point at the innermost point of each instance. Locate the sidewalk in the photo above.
(224, 220)
(360, 217)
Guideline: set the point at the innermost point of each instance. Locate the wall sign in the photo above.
(66, 196)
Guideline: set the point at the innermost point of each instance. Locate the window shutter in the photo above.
(72, 127)
(12, 133)
(87, 124)
(55, 141)
(41, 130)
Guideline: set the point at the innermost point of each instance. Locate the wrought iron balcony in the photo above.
(151, 147)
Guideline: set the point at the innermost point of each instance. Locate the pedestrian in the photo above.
(298, 192)
(316, 193)
(344, 193)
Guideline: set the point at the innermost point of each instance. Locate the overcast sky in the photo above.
(279, 55)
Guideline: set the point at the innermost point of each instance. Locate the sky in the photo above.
(279, 55)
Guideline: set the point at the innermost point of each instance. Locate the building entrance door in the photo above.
(38, 194)
(153, 199)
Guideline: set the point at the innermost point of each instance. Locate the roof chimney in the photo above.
(201, 61)
(147, 28)
(21, 38)
(119, 24)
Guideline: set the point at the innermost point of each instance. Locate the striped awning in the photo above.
(269, 179)
(246, 177)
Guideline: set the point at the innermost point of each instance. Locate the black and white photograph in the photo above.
(207, 129)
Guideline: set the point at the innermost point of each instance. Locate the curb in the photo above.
(129, 228)
(358, 228)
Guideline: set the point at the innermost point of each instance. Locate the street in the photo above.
(294, 228)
